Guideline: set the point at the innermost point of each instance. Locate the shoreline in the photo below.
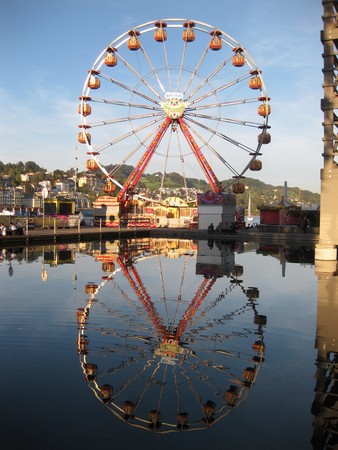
(59, 235)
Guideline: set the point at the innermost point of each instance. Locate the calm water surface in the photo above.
(163, 344)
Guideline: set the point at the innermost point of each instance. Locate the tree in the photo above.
(37, 177)
(28, 187)
(32, 167)
(58, 174)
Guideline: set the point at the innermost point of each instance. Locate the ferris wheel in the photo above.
(174, 95)
(169, 364)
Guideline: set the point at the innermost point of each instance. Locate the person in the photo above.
(81, 222)
(225, 228)
(303, 224)
(211, 228)
(19, 228)
(219, 228)
(2, 227)
(12, 228)
(232, 229)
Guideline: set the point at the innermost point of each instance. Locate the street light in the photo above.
(44, 196)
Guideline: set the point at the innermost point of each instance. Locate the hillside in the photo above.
(261, 193)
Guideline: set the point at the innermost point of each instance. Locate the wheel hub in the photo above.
(174, 106)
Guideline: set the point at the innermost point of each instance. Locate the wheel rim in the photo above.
(222, 114)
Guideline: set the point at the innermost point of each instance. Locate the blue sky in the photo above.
(47, 47)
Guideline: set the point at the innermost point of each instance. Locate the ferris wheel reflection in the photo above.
(168, 362)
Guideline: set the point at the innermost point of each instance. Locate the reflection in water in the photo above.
(7, 255)
(287, 254)
(172, 337)
(325, 404)
(176, 363)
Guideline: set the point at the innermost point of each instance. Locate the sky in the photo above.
(47, 48)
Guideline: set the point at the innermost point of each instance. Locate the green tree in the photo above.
(58, 174)
(37, 177)
(32, 167)
(28, 187)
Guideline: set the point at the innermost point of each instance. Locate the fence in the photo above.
(41, 222)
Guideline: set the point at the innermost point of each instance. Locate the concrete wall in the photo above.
(217, 212)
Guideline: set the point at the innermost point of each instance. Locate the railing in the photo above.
(130, 222)
(41, 222)
(135, 222)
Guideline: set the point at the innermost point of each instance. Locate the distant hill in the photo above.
(267, 194)
(261, 193)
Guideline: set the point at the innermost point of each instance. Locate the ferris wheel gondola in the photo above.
(174, 95)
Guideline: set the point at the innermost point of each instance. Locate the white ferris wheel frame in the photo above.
(196, 125)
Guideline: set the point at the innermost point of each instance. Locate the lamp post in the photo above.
(44, 196)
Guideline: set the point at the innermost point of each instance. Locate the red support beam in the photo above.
(136, 174)
(215, 184)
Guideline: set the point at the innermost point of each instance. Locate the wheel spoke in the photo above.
(223, 136)
(126, 135)
(127, 104)
(125, 119)
(129, 155)
(222, 104)
(182, 166)
(214, 151)
(181, 66)
(219, 89)
(142, 79)
(167, 68)
(154, 72)
(164, 171)
(209, 77)
(128, 88)
(195, 71)
(224, 119)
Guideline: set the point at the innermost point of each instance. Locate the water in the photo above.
(102, 344)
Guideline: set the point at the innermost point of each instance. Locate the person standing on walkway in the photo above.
(12, 228)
